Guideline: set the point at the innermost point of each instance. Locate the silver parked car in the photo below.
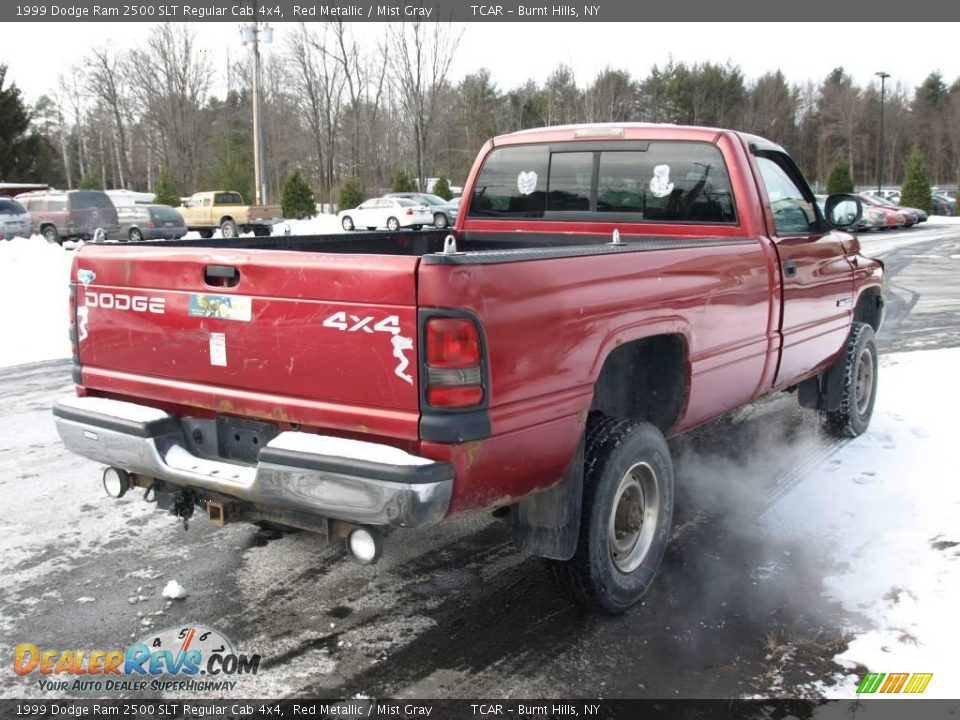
(14, 219)
(150, 222)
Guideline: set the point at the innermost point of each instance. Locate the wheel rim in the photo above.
(441, 221)
(863, 387)
(50, 235)
(135, 236)
(633, 518)
(347, 224)
(393, 225)
(227, 230)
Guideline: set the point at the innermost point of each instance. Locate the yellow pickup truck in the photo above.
(224, 209)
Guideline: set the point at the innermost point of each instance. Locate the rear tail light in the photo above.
(453, 358)
(409, 211)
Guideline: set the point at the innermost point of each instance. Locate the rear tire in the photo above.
(626, 515)
(51, 235)
(206, 234)
(859, 389)
(347, 223)
(393, 224)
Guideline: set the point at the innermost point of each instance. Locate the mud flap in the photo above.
(825, 391)
(548, 523)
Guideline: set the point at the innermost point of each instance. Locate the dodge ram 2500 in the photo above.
(604, 288)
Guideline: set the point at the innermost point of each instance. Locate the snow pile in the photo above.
(174, 590)
(318, 225)
(885, 509)
(34, 297)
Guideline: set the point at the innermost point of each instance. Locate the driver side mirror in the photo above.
(842, 211)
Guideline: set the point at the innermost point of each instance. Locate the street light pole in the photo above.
(883, 78)
(250, 32)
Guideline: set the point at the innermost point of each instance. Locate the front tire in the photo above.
(347, 223)
(859, 388)
(440, 221)
(393, 224)
(135, 235)
(626, 515)
(228, 229)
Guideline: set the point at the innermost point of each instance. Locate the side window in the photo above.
(793, 214)
(512, 183)
(571, 177)
(206, 202)
(56, 204)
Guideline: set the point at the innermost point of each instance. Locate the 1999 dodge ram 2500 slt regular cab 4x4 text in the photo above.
(605, 287)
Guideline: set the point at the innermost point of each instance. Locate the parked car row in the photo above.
(881, 213)
(396, 210)
(62, 215)
(944, 199)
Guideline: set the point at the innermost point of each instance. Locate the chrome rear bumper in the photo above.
(407, 492)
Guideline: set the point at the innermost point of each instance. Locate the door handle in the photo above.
(221, 275)
(790, 268)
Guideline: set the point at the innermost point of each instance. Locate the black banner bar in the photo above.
(278, 11)
(357, 708)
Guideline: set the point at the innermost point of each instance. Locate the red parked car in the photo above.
(894, 217)
(604, 288)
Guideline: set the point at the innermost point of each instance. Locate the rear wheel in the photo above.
(135, 235)
(347, 223)
(626, 515)
(440, 221)
(51, 235)
(859, 386)
(206, 234)
(228, 229)
(393, 224)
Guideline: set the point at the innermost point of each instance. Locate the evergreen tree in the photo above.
(21, 149)
(90, 181)
(840, 180)
(351, 193)
(402, 182)
(298, 199)
(442, 188)
(166, 192)
(916, 187)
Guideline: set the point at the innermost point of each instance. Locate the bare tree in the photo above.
(171, 81)
(420, 58)
(105, 81)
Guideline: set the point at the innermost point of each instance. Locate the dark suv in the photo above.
(71, 215)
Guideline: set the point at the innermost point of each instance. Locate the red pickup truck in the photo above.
(605, 287)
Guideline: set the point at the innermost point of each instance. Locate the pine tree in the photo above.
(298, 199)
(840, 180)
(90, 181)
(351, 193)
(19, 145)
(402, 182)
(166, 192)
(916, 187)
(441, 188)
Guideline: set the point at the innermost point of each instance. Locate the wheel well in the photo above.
(644, 380)
(869, 308)
(224, 219)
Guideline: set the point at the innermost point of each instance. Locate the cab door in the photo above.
(816, 278)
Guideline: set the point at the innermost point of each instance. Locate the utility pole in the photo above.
(250, 33)
(883, 78)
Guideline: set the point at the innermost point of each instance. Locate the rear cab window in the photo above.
(228, 198)
(625, 181)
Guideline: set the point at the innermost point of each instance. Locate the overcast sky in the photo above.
(514, 52)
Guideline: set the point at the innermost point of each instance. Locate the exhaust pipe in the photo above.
(116, 482)
(365, 545)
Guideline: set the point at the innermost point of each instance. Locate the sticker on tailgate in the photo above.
(224, 307)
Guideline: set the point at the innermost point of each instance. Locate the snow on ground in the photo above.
(34, 297)
(885, 510)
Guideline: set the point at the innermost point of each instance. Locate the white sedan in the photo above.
(391, 213)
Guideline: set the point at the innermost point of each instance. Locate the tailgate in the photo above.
(325, 340)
